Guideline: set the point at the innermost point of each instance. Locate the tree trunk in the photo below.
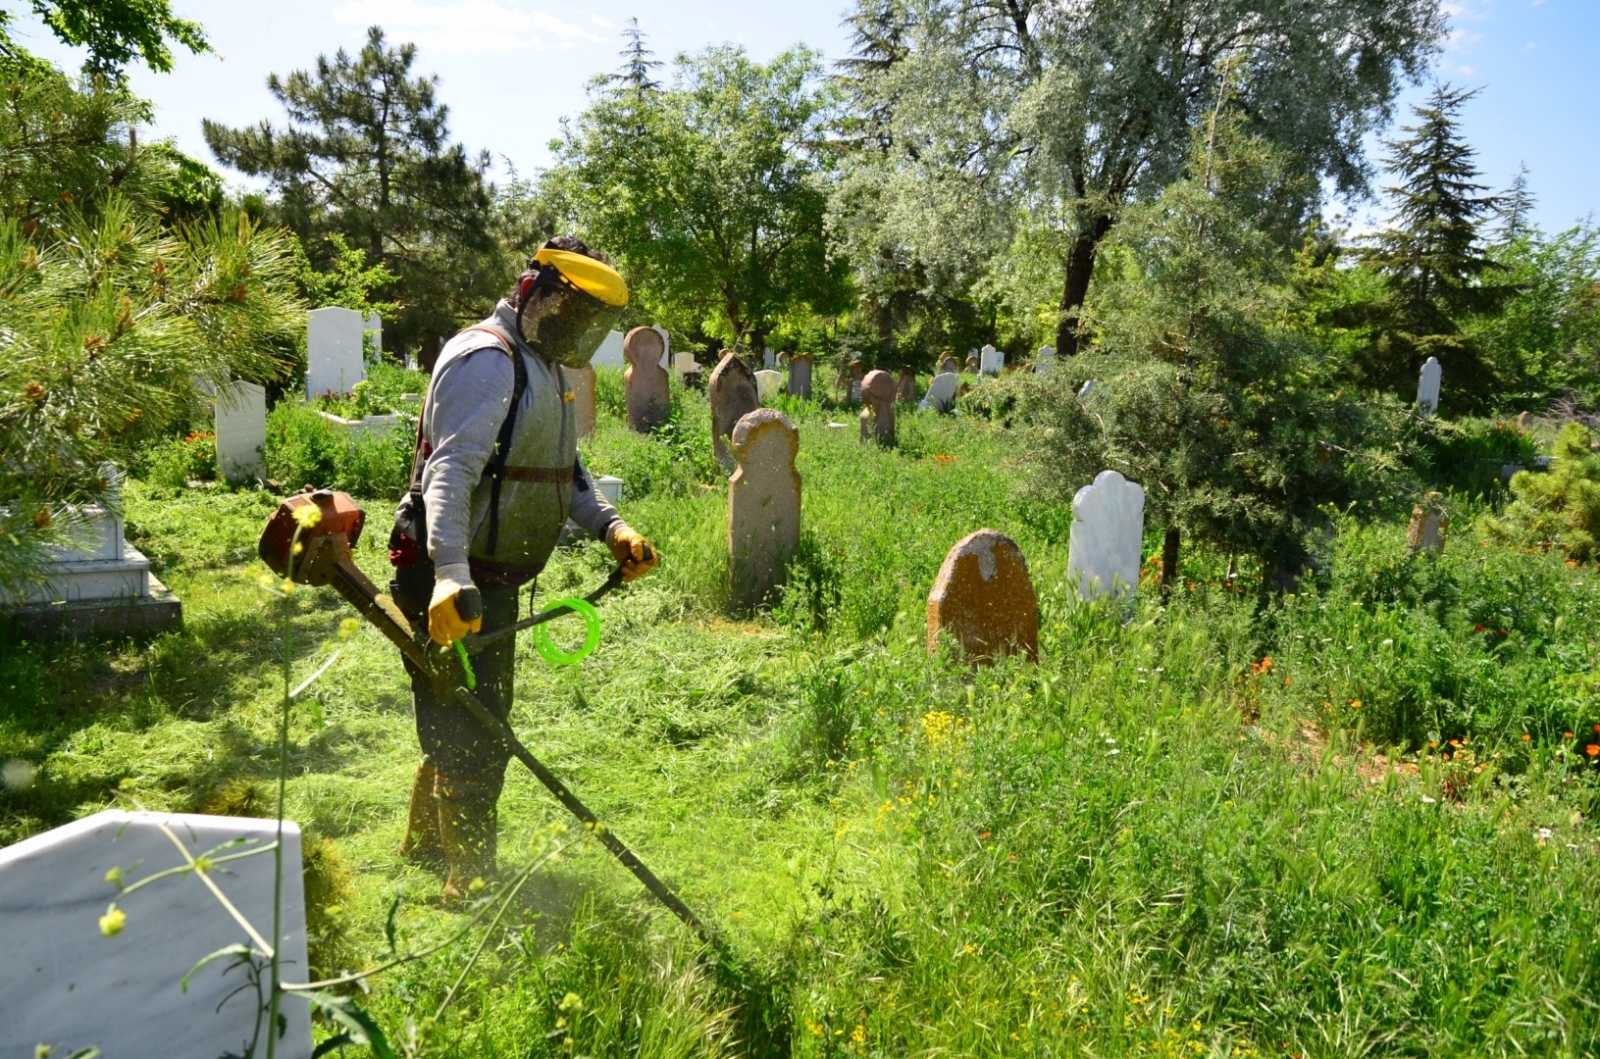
(1169, 563)
(1080, 266)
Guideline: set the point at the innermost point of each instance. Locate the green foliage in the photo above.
(384, 177)
(1560, 506)
(174, 463)
(1545, 339)
(345, 279)
(1465, 456)
(303, 448)
(710, 192)
(115, 32)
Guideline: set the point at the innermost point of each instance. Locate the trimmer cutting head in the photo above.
(336, 514)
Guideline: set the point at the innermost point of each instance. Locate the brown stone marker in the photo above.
(580, 383)
(733, 395)
(972, 365)
(984, 600)
(877, 394)
(1430, 525)
(763, 506)
(800, 366)
(949, 364)
(905, 387)
(649, 398)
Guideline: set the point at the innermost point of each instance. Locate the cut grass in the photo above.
(1132, 848)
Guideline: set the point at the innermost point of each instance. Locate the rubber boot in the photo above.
(467, 828)
(422, 843)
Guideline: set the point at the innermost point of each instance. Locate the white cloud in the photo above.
(464, 25)
(603, 23)
(1468, 70)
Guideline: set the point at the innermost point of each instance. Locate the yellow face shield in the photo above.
(575, 303)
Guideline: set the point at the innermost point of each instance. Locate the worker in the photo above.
(495, 475)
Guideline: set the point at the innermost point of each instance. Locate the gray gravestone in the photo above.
(941, 395)
(335, 359)
(769, 359)
(991, 361)
(763, 505)
(733, 395)
(609, 355)
(648, 393)
(239, 413)
(1428, 386)
(1046, 362)
(67, 985)
(1107, 537)
(800, 367)
(877, 418)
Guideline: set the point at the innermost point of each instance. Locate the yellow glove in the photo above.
(637, 556)
(445, 623)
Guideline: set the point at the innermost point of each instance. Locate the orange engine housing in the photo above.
(337, 513)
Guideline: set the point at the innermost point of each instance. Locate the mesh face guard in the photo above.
(562, 322)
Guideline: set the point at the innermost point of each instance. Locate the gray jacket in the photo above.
(545, 481)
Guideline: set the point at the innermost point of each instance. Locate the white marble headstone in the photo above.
(991, 361)
(1086, 391)
(335, 361)
(1107, 537)
(769, 384)
(1428, 386)
(609, 355)
(684, 364)
(666, 345)
(1046, 361)
(941, 395)
(610, 487)
(66, 985)
(240, 411)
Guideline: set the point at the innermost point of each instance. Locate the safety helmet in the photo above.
(568, 307)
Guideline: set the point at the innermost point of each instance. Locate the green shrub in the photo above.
(610, 394)
(1560, 507)
(1464, 456)
(175, 463)
(305, 449)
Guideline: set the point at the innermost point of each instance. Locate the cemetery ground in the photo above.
(1355, 820)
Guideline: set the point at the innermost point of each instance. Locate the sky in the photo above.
(511, 69)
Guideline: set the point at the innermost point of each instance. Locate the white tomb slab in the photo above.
(1107, 537)
(335, 360)
(68, 986)
(684, 364)
(941, 395)
(1428, 386)
(769, 384)
(1046, 361)
(240, 415)
(609, 355)
(991, 361)
(608, 486)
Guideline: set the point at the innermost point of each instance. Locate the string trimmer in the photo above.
(319, 554)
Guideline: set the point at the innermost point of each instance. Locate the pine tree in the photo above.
(639, 62)
(1433, 260)
(1515, 212)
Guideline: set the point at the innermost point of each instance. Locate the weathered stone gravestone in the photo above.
(239, 413)
(1428, 386)
(877, 418)
(609, 355)
(972, 365)
(1046, 362)
(1086, 391)
(733, 395)
(991, 361)
(1430, 525)
(858, 372)
(905, 387)
(1107, 537)
(769, 359)
(649, 396)
(800, 366)
(769, 384)
(984, 600)
(69, 986)
(335, 358)
(941, 395)
(684, 364)
(581, 384)
(763, 506)
(948, 363)
(783, 361)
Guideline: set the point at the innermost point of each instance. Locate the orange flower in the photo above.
(1592, 749)
(1287, 681)
(1566, 735)
(1526, 737)
(1572, 562)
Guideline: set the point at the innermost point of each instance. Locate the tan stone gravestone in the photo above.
(877, 394)
(984, 600)
(948, 363)
(905, 387)
(800, 366)
(649, 399)
(763, 505)
(733, 395)
(1430, 525)
(972, 365)
(580, 384)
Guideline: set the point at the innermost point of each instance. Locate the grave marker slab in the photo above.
(768, 384)
(733, 395)
(905, 387)
(648, 392)
(335, 359)
(769, 359)
(684, 364)
(984, 600)
(1046, 362)
(763, 505)
(877, 417)
(67, 986)
(609, 355)
(239, 412)
(991, 361)
(1430, 525)
(948, 364)
(941, 395)
(1428, 386)
(800, 368)
(1107, 537)
(581, 384)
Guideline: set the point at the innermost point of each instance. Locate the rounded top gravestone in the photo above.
(984, 600)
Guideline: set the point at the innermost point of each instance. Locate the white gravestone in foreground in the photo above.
(1107, 537)
(769, 384)
(66, 985)
(1046, 361)
(335, 360)
(991, 361)
(941, 395)
(609, 355)
(1428, 386)
(240, 411)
